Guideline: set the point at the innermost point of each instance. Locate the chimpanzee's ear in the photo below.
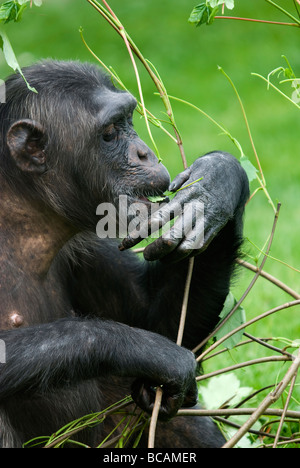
(26, 140)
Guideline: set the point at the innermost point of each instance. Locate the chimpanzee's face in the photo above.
(125, 159)
(77, 143)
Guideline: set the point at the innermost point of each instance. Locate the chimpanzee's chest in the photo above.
(29, 301)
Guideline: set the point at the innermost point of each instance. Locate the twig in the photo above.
(285, 410)
(285, 442)
(268, 401)
(115, 439)
(276, 23)
(252, 395)
(251, 431)
(159, 391)
(285, 12)
(267, 345)
(185, 301)
(116, 24)
(154, 417)
(277, 89)
(98, 417)
(247, 324)
(237, 412)
(296, 3)
(270, 278)
(242, 365)
(247, 290)
(263, 184)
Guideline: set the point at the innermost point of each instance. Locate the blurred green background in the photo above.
(187, 59)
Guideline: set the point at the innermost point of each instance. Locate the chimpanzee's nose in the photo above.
(154, 173)
(139, 153)
(142, 155)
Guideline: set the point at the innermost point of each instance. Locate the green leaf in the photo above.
(237, 319)
(12, 10)
(228, 3)
(248, 167)
(212, 16)
(8, 11)
(156, 199)
(201, 14)
(223, 389)
(37, 3)
(20, 12)
(11, 58)
(168, 194)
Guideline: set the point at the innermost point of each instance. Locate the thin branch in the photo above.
(267, 345)
(241, 343)
(98, 417)
(185, 301)
(285, 410)
(247, 324)
(247, 290)
(154, 417)
(252, 395)
(275, 23)
(261, 251)
(296, 3)
(251, 431)
(276, 89)
(236, 412)
(242, 365)
(270, 278)
(284, 442)
(285, 12)
(268, 401)
(247, 127)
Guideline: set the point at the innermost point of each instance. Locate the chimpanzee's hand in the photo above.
(177, 380)
(201, 208)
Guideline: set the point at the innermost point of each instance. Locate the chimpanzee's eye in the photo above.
(110, 133)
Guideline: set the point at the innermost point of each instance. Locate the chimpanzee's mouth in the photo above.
(153, 199)
(148, 198)
(143, 199)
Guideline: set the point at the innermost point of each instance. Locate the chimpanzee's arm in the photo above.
(210, 284)
(224, 190)
(64, 352)
(149, 295)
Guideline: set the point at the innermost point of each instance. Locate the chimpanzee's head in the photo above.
(72, 144)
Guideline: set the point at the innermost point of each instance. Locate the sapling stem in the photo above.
(253, 20)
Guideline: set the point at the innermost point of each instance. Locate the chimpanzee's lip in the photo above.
(143, 199)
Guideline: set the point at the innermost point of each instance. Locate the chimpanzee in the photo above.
(85, 321)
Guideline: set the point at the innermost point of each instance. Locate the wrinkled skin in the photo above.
(85, 323)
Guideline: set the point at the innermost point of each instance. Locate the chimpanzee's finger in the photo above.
(184, 237)
(159, 218)
(179, 180)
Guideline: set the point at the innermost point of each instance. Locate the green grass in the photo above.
(188, 59)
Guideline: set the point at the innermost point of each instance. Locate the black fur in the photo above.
(83, 322)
